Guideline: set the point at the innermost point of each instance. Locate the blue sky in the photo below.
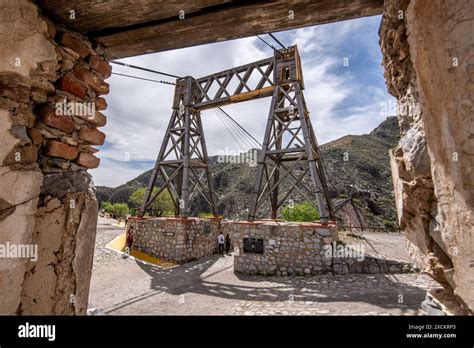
(344, 89)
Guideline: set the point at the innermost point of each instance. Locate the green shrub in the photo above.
(161, 206)
(107, 206)
(390, 225)
(300, 212)
(120, 209)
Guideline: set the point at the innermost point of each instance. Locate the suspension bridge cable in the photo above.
(235, 135)
(242, 128)
(238, 133)
(220, 117)
(145, 79)
(274, 38)
(266, 43)
(144, 69)
(243, 141)
(229, 165)
(251, 144)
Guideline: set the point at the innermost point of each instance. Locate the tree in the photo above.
(163, 204)
(120, 209)
(300, 212)
(107, 206)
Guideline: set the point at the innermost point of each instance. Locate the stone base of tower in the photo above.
(175, 239)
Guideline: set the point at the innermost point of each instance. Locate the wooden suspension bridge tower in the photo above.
(289, 150)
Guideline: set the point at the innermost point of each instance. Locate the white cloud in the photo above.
(115, 173)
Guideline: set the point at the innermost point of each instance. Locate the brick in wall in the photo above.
(48, 116)
(71, 85)
(87, 160)
(92, 136)
(58, 149)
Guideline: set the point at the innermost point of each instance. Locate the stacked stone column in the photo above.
(51, 88)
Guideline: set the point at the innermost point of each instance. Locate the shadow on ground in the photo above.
(214, 276)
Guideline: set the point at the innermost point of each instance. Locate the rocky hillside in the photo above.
(356, 165)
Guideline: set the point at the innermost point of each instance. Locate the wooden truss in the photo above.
(289, 152)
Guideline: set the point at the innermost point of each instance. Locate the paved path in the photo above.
(209, 287)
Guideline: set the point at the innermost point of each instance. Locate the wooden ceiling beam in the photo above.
(92, 15)
(125, 29)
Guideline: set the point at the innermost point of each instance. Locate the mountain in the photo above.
(356, 166)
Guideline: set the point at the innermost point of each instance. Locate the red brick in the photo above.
(87, 160)
(71, 85)
(35, 136)
(49, 118)
(100, 65)
(75, 44)
(91, 79)
(92, 135)
(103, 88)
(100, 103)
(58, 149)
(99, 120)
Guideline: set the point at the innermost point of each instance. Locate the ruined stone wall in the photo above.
(175, 239)
(50, 85)
(428, 57)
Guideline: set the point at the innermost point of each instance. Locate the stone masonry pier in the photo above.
(286, 248)
(175, 239)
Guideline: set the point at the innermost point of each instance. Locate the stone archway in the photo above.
(46, 198)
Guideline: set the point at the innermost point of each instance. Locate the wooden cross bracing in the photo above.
(289, 151)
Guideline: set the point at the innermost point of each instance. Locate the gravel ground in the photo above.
(209, 286)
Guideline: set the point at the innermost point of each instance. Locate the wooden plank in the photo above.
(93, 15)
(214, 103)
(235, 22)
(252, 94)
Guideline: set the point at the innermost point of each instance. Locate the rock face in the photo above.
(428, 59)
(409, 159)
(443, 43)
(46, 200)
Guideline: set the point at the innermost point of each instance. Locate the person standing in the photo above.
(227, 243)
(220, 241)
(129, 240)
